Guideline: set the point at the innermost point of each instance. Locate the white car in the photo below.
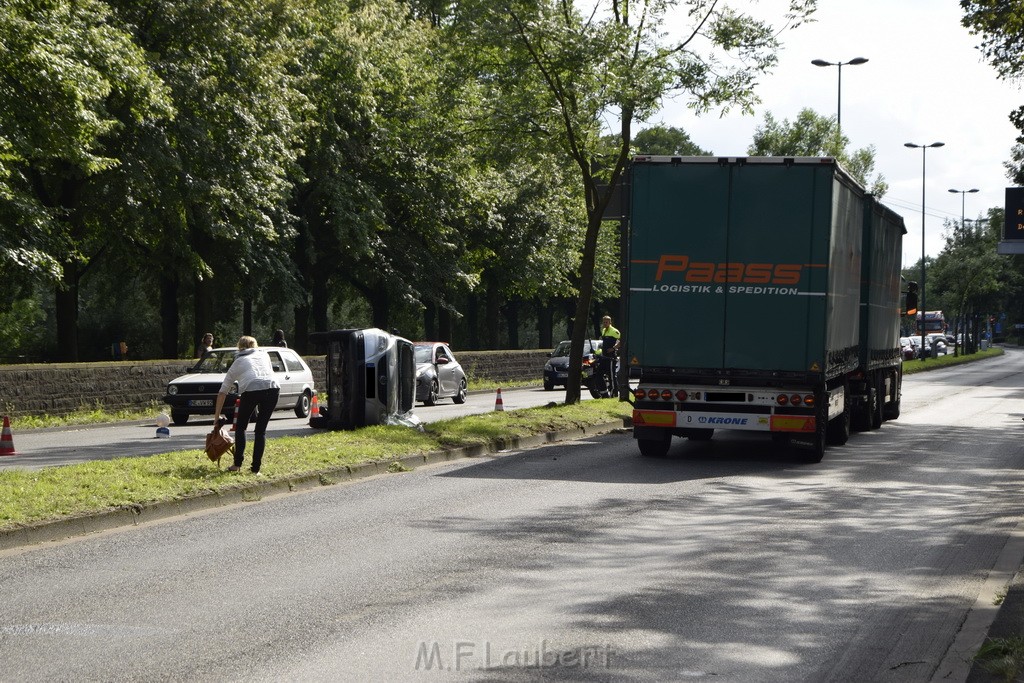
(196, 392)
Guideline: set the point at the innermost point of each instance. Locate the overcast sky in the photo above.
(924, 82)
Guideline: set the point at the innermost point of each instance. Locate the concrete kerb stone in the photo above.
(133, 515)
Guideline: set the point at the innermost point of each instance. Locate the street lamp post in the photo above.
(839, 103)
(963, 231)
(963, 194)
(923, 309)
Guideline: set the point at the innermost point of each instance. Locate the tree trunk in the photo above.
(320, 300)
(202, 303)
(512, 316)
(169, 316)
(492, 317)
(247, 315)
(66, 312)
(544, 327)
(300, 335)
(472, 319)
(430, 321)
(445, 329)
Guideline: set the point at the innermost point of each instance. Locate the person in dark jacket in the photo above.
(279, 339)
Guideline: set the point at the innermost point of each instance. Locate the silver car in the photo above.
(438, 374)
(196, 392)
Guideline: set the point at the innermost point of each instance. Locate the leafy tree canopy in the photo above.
(813, 135)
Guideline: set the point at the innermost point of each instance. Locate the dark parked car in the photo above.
(196, 392)
(556, 370)
(438, 374)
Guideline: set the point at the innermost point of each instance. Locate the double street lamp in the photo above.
(839, 104)
(963, 194)
(923, 148)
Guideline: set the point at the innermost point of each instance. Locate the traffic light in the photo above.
(911, 308)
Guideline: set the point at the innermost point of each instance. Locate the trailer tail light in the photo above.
(640, 393)
(782, 400)
(795, 399)
(666, 394)
(809, 400)
(681, 395)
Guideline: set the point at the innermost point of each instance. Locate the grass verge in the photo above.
(28, 496)
(918, 365)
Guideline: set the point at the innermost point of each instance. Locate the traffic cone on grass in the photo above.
(234, 417)
(7, 439)
(314, 410)
(498, 405)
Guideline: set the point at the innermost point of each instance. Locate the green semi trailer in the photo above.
(764, 295)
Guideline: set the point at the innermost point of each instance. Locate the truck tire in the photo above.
(879, 403)
(817, 447)
(656, 447)
(839, 428)
(861, 417)
(891, 410)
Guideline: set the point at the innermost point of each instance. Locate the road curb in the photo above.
(134, 515)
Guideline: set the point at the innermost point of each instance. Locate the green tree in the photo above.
(1000, 25)
(666, 140)
(74, 87)
(219, 171)
(566, 68)
(969, 278)
(814, 135)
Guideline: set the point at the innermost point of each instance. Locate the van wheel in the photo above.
(302, 405)
(178, 417)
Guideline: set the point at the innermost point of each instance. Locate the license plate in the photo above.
(563, 375)
(201, 403)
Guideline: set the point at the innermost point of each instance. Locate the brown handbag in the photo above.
(219, 442)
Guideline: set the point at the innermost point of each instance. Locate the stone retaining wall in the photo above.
(59, 389)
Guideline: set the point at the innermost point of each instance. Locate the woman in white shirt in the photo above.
(257, 389)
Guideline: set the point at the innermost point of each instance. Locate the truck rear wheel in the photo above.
(839, 428)
(879, 403)
(816, 450)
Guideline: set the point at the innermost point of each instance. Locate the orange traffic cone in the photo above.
(7, 439)
(498, 405)
(314, 410)
(234, 418)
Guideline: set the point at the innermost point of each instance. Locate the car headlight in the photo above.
(172, 389)
(547, 366)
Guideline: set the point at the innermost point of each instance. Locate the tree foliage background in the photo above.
(171, 167)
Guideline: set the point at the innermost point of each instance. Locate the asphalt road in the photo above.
(726, 561)
(67, 445)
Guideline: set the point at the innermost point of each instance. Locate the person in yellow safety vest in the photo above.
(610, 339)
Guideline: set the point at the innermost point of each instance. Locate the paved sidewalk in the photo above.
(1009, 623)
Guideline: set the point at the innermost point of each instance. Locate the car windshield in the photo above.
(215, 361)
(424, 353)
(562, 349)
